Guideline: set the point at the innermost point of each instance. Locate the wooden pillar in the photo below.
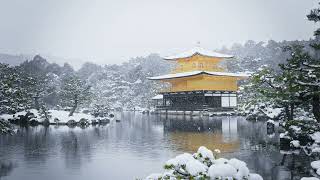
(203, 99)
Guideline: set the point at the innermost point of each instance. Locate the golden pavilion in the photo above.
(199, 81)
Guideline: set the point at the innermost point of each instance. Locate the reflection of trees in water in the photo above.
(263, 153)
(6, 168)
(76, 146)
(254, 136)
(37, 143)
(142, 133)
(297, 165)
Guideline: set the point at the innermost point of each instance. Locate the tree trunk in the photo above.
(45, 112)
(291, 111)
(287, 112)
(316, 105)
(75, 105)
(36, 103)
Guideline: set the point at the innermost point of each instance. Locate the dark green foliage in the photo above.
(314, 16)
(297, 83)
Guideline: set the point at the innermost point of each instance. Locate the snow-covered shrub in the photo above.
(316, 166)
(100, 110)
(302, 134)
(204, 165)
(5, 127)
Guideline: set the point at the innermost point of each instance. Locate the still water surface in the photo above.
(139, 145)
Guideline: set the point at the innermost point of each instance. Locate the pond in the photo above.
(139, 145)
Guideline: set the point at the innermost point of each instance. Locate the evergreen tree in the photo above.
(312, 71)
(14, 94)
(74, 92)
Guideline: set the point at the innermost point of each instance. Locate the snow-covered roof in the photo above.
(157, 97)
(197, 50)
(193, 73)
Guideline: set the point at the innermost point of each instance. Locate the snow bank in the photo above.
(63, 116)
(310, 178)
(204, 165)
(55, 116)
(16, 115)
(6, 117)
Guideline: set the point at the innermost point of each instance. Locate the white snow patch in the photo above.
(180, 159)
(220, 161)
(236, 163)
(197, 50)
(310, 178)
(254, 176)
(193, 73)
(64, 117)
(271, 121)
(315, 164)
(295, 143)
(222, 171)
(194, 167)
(206, 153)
(273, 112)
(6, 117)
(316, 137)
(154, 176)
(158, 97)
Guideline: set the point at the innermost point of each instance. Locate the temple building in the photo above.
(199, 81)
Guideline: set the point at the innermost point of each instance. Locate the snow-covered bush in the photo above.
(5, 127)
(316, 166)
(302, 134)
(204, 164)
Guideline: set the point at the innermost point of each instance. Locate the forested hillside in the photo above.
(37, 82)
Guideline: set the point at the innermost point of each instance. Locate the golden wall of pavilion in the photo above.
(202, 81)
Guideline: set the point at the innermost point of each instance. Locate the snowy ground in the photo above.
(64, 117)
(59, 116)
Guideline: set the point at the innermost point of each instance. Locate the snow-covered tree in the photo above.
(74, 92)
(14, 94)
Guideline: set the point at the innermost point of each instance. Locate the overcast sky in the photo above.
(110, 32)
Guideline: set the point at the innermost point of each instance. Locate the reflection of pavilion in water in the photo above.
(189, 132)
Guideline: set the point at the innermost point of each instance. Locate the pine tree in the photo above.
(74, 92)
(312, 79)
(14, 94)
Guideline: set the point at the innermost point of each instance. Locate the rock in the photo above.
(56, 120)
(83, 122)
(104, 121)
(71, 122)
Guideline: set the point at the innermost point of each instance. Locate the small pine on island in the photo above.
(199, 82)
